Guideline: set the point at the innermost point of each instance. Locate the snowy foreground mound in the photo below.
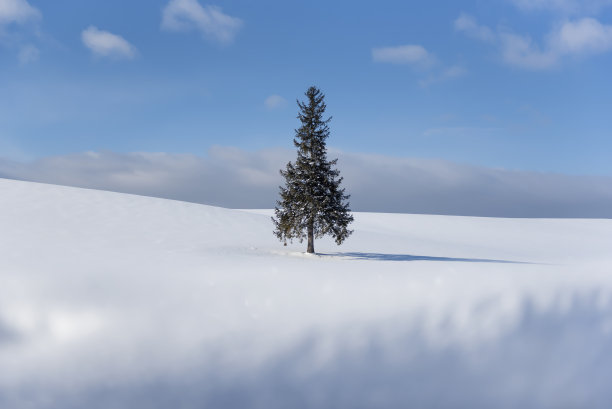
(117, 301)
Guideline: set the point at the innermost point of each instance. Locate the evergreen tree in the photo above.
(312, 204)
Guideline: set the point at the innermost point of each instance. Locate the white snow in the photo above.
(113, 300)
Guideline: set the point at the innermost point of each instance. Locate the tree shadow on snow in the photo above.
(410, 257)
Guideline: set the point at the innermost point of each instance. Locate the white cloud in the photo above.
(563, 6)
(449, 73)
(522, 52)
(231, 177)
(28, 54)
(403, 54)
(183, 15)
(571, 38)
(17, 11)
(17, 20)
(468, 25)
(417, 56)
(105, 44)
(586, 35)
(275, 101)
(459, 131)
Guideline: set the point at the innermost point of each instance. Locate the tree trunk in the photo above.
(310, 237)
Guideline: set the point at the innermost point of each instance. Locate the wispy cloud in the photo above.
(275, 102)
(410, 54)
(467, 24)
(183, 15)
(28, 54)
(231, 177)
(449, 73)
(522, 51)
(563, 6)
(105, 44)
(584, 36)
(459, 131)
(577, 38)
(18, 24)
(17, 11)
(419, 58)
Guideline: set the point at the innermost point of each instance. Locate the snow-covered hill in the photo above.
(117, 301)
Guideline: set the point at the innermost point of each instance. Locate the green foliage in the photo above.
(312, 203)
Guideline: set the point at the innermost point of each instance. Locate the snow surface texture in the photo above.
(110, 300)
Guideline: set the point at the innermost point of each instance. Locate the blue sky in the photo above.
(513, 84)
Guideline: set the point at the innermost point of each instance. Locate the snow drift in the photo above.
(114, 300)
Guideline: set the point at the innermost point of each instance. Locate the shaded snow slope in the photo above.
(112, 300)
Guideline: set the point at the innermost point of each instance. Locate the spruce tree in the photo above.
(312, 203)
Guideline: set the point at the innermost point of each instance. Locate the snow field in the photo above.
(114, 300)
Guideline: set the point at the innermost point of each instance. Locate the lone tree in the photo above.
(312, 204)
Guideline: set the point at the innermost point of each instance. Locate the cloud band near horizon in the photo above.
(234, 178)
